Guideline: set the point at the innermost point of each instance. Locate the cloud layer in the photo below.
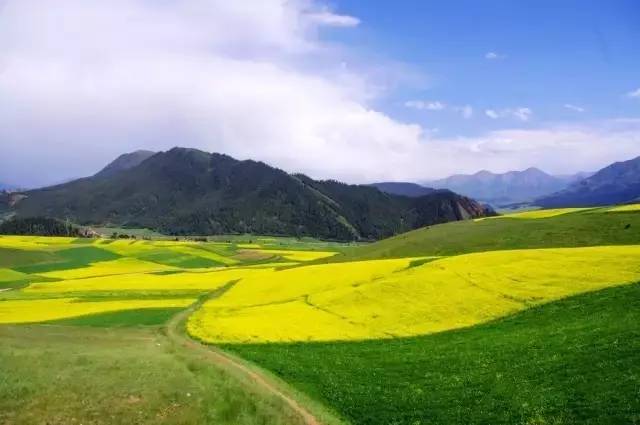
(82, 81)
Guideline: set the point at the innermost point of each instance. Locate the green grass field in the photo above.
(530, 318)
(78, 374)
(576, 229)
(575, 361)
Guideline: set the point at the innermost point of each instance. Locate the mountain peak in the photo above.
(502, 189)
(125, 162)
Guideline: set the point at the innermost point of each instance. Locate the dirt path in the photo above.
(176, 332)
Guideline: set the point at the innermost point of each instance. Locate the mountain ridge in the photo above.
(187, 191)
(504, 188)
(616, 183)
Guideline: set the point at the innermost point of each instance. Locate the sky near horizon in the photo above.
(356, 90)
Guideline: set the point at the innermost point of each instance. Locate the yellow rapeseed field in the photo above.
(384, 298)
(543, 213)
(185, 281)
(34, 243)
(30, 311)
(294, 255)
(106, 268)
(625, 208)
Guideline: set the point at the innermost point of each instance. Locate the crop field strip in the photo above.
(387, 298)
(67, 278)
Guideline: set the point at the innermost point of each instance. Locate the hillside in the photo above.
(40, 226)
(403, 188)
(186, 191)
(581, 228)
(502, 189)
(614, 184)
(125, 162)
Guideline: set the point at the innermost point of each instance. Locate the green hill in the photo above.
(186, 191)
(577, 229)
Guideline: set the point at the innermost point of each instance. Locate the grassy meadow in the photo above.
(528, 318)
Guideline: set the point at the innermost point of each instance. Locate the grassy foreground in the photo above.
(66, 375)
(575, 361)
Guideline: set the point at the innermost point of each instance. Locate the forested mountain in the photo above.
(403, 188)
(125, 162)
(40, 226)
(187, 191)
(614, 184)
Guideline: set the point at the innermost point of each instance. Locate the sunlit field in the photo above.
(433, 313)
(389, 298)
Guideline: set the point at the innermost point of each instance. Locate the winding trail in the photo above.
(177, 333)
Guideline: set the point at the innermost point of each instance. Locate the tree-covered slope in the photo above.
(186, 191)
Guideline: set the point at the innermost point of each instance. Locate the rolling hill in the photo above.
(615, 184)
(187, 191)
(503, 189)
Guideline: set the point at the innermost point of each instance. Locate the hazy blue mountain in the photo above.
(187, 191)
(507, 188)
(412, 190)
(614, 184)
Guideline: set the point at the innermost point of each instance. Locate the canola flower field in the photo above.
(47, 279)
(398, 331)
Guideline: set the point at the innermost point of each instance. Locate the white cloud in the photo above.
(494, 56)
(521, 113)
(330, 19)
(422, 105)
(574, 107)
(634, 93)
(466, 111)
(82, 81)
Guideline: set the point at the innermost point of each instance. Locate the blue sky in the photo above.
(549, 54)
(355, 90)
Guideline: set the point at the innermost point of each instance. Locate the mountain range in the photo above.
(507, 188)
(617, 183)
(187, 191)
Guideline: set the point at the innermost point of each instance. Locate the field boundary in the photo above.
(176, 331)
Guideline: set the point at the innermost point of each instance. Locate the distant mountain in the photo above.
(616, 184)
(412, 190)
(503, 189)
(186, 191)
(572, 178)
(125, 162)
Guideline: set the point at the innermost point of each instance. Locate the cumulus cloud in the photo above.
(634, 94)
(521, 113)
(422, 105)
(82, 81)
(331, 19)
(574, 107)
(494, 56)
